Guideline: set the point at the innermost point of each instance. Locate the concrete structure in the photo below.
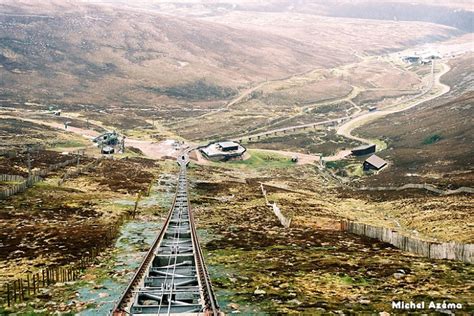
(374, 162)
(228, 146)
(107, 150)
(411, 59)
(363, 150)
(223, 151)
(421, 59)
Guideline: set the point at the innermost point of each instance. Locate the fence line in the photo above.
(35, 177)
(276, 210)
(428, 187)
(11, 178)
(73, 173)
(13, 152)
(20, 187)
(433, 250)
(22, 289)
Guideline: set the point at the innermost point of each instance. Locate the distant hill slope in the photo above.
(72, 52)
(436, 143)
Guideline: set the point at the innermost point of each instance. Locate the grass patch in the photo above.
(348, 280)
(260, 159)
(340, 164)
(355, 170)
(71, 143)
(432, 139)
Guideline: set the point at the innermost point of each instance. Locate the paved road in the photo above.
(347, 128)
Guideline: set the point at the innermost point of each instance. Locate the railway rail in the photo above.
(172, 279)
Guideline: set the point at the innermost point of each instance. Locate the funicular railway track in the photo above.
(172, 279)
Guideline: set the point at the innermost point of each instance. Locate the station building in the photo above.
(223, 151)
(374, 162)
(363, 150)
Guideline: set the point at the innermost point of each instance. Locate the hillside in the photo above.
(77, 53)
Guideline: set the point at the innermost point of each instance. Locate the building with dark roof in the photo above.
(228, 146)
(363, 150)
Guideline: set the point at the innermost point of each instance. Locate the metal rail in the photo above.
(172, 279)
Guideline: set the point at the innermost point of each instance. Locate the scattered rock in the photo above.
(259, 292)
(234, 306)
(40, 311)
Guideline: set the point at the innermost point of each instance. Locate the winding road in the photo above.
(435, 84)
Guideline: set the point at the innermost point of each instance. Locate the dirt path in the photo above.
(151, 149)
(348, 98)
(243, 95)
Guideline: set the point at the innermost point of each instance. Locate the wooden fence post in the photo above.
(28, 284)
(14, 291)
(8, 294)
(34, 284)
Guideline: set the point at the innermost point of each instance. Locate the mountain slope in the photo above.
(71, 52)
